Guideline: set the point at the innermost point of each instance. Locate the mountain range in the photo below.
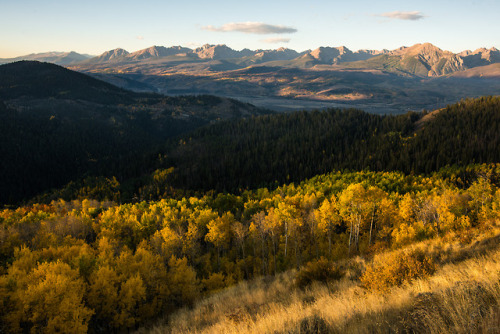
(425, 60)
(421, 76)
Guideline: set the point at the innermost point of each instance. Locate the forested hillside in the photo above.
(58, 125)
(261, 150)
(267, 151)
(42, 80)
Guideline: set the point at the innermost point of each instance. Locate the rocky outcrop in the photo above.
(278, 54)
(216, 52)
(341, 54)
(157, 52)
(480, 57)
(110, 55)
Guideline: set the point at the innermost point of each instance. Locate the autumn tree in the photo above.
(182, 282)
(219, 233)
(102, 297)
(328, 218)
(258, 230)
(52, 300)
(354, 208)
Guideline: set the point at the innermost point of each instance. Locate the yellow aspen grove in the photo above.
(89, 266)
(481, 192)
(240, 232)
(132, 294)
(273, 226)
(182, 282)
(407, 208)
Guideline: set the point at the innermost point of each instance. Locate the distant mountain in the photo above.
(326, 55)
(220, 51)
(480, 57)
(371, 53)
(427, 60)
(332, 55)
(59, 58)
(115, 54)
(278, 54)
(264, 56)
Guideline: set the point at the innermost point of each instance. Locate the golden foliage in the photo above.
(127, 264)
(396, 268)
(50, 300)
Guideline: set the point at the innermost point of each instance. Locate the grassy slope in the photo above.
(463, 296)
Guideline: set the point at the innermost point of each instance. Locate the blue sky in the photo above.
(91, 26)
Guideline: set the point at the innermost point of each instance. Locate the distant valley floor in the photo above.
(303, 89)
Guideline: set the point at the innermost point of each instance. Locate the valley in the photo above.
(422, 76)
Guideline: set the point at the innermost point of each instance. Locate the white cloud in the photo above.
(412, 16)
(139, 37)
(252, 28)
(275, 40)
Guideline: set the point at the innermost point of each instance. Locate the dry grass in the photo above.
(463, 296)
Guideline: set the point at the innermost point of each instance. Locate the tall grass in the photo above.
(462, 296)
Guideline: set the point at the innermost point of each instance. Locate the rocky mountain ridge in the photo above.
(423, 60)
(426, 59)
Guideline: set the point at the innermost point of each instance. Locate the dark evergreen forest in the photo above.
(274, 149)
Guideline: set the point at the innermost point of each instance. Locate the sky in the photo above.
(95, 26)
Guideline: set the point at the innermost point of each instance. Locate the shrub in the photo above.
(214, 282)
(320, 270)
(408, 233)
(354, 268)
(396, 268)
